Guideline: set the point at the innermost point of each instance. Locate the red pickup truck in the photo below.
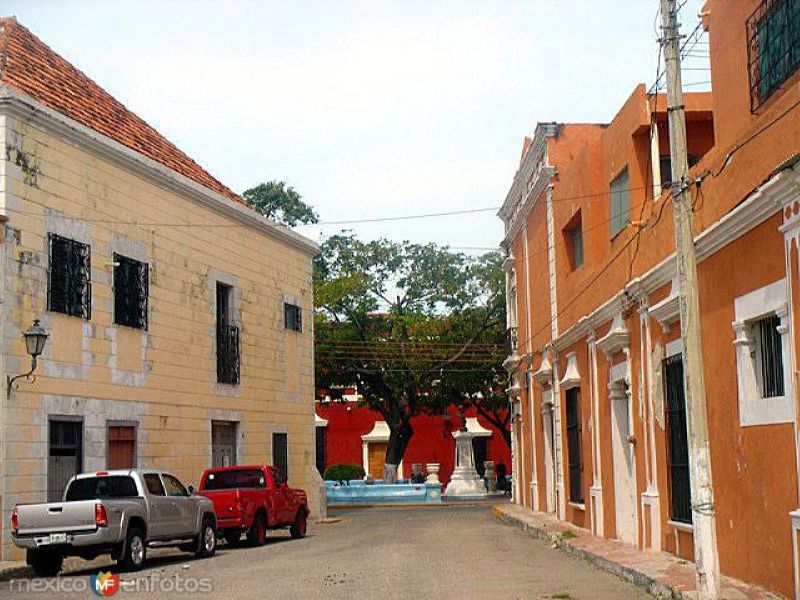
(253, 499)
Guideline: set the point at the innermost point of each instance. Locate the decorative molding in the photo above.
(754, 408)
(26, 109)
(530, 180)
(544, 374)
(475, 428)
(571, 377)
(668, 310)
(508, 263)
(379, 433)
(617, 339)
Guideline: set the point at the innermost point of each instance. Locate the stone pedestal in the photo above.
(433, 473)
(465, 481)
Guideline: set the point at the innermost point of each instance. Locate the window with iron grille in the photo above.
(574, 446)
(280, 454)
(773, 47)
(131, 289)
(767, 352)
(69, 280)
(292, 317)
(677, 441)
(227, 338)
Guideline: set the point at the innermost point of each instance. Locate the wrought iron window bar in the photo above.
(131, 292)
(773, 47)
(228, 358)
(69, 277)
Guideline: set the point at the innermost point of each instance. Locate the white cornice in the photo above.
(530, 180)
(572, 378)
(544, 374)
(24, 108)
(667, 311)
(617, 338)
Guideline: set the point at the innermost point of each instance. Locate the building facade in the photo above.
(171, 306)
(596, 379)
(349, 433)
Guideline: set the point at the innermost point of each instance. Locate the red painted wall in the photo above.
(432, 440)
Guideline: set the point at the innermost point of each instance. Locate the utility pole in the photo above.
(703, 509)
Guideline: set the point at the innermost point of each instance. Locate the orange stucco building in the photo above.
(596, 379)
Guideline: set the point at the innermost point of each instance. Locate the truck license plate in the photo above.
(58, 538)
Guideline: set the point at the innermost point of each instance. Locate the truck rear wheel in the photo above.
(298, 528)
(135, 551)
(257, 534)
(46, 563)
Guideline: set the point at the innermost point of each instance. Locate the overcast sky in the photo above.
(369, 109)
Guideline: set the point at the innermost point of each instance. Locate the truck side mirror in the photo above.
(191, 490)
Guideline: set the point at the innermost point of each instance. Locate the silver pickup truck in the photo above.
(120, 513)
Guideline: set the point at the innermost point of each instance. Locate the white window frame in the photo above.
(753, 408)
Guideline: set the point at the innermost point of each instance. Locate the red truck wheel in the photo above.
(298, 529)
(257, 534)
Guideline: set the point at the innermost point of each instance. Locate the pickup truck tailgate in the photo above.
(56, 517)
(227, 503)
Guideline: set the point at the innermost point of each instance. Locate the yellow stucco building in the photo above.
(179, 318)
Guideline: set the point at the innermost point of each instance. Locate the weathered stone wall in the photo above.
(164, 379)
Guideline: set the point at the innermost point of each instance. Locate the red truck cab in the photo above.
(253, 499)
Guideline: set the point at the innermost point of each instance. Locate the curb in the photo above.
(12, 570)
(637, 578)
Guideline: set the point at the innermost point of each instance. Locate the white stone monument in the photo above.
(465, 481)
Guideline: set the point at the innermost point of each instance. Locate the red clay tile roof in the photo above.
(31, 67)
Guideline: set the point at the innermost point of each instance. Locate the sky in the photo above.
(369, 109)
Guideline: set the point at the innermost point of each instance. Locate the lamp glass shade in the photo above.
(35, 338)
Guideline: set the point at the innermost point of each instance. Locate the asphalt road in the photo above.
(383, 553)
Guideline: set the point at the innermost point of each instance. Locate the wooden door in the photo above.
(377, 458)
(121, 447)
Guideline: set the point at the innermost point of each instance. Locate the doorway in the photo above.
(623, 462)
(223, 443)
(377, 459)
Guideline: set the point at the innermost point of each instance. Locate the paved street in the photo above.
(443, 552)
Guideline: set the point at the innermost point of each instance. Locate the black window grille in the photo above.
(677, 441)
(69, 277)
(131, 290)
(65, 456)
(769, 356)
(293, 317)
(574, 446)
(227, 353)
(773, 47)
(280, 454)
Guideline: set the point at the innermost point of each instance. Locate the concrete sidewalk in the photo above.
(661, 574)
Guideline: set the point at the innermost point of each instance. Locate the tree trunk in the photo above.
(400, 432)
(499, 422)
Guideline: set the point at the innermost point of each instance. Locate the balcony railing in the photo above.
(511, 341)
(227, 353)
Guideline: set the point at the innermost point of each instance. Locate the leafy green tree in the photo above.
(398, 319)
(281, 203)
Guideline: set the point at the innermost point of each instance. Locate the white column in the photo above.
(596, 489)
(650, 497)
(559, 449)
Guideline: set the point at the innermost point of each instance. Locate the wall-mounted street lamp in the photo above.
(35, 338)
